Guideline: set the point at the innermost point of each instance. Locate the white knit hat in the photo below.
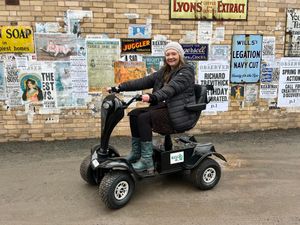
(175, 46)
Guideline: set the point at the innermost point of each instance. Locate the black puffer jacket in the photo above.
(177, 93)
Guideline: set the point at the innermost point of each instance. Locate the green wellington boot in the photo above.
(146, 161)
(135, 153)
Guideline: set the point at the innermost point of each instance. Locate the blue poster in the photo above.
(245, 58)
(195, 52)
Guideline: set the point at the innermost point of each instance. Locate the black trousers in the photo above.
(145, 120)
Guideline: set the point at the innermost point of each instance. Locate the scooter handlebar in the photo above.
(137, 97)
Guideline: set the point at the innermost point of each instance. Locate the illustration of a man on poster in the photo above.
(31, 87)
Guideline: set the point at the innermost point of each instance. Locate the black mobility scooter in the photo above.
(115, 175)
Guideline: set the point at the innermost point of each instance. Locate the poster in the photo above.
(153, 63)
(237, 92)
(125, 71)
(268, 48)
(12, 82)
(139, 31)
(31, 86)
(251, 93)
(195, 51)
(268, 91)
(17, 39)
(158, 47)
(208, 9)
(74, 19)
(219, 34)
(292, 45)
(2, 82)
(79, 77)
(134, 45)
(216, 73)
(101, 55)
(204, 32)
(63, 84)
(49, 27)
(289, 83)
(245, 58)
(219, 52)
(55, 47)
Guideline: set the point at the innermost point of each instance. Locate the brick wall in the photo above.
(264, 17)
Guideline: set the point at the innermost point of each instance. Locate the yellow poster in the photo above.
(16, 39)
(125, 71)
(209, 9)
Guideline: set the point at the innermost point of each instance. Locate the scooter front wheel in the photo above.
(207, 174)
(86, 171)
(116, 189)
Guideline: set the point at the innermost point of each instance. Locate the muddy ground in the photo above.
(40, 184)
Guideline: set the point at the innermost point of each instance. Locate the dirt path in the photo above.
(40, 185)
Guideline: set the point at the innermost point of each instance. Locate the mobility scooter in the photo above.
(117, 178)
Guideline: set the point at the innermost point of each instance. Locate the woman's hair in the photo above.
(167, 68)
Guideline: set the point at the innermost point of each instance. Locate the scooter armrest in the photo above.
(196, 107)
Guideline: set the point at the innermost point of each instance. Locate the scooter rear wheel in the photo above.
(207, 174)
(116, 189)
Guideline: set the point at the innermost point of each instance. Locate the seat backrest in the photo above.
(200, 93)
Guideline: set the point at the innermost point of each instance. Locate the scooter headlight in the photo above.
(106, 105)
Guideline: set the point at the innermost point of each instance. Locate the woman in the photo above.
(32, 92)
(173, 88)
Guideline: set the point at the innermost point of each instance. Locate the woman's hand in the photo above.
(113, 89)
(145, 98)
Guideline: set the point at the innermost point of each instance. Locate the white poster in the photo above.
(268, 91)
(289, 83)
(268, 49)
(79, 80)
(204, 32)
(158, 47)
(215, 73)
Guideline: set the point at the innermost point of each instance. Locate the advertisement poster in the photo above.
(292, 47)
(216, 73)
(17, 39)
(220, 52)
(2, 82)
(74, 17)
(79, 76)
(195, 51)
(63, 84)
(101, 55)
(246, 58)
(268, 48)
(204, 32)
(289, 83)
(55, 47)
(237, 92)
(125, 71)
(153, 63)
(134, 45)
(251, 93)
(31, 86)
(209, 9)
(139, 31)
(158, 47)
(268, 91)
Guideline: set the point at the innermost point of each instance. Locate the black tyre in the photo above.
(116, 189)
(86, 171)
(207, 174)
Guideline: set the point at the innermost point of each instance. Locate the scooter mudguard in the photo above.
(201, 152)
(115, 165)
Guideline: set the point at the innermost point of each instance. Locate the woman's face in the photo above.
(172, 58)
(29, 84)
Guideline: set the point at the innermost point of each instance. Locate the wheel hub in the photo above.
(121, 190)
(209, 175)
